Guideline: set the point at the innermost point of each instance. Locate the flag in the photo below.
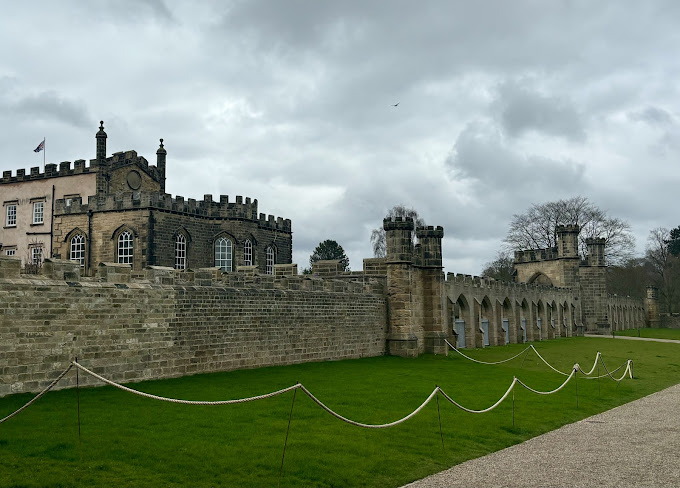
(40, 147)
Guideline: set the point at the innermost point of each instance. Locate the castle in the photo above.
(116, 210)
(150, 308)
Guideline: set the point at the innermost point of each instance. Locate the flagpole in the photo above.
(44, 151)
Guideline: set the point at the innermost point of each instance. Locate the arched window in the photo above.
(247, 253)
(180, 251)
(125, 248)
(77, 249)
(271, 259)
(223, 253)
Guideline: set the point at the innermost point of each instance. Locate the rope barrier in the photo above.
(468, 410)
(598, 357)
(484, 362)
(35, 398)
(576, 368)
(185, 402)
(572, 375)
(628, 371)
(369, 426)
(327, 408)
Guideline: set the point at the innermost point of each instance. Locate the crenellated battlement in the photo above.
(536, 255)
(490, 283)
(398, 223)
(567, 228)
(112, 274)
(430, 231)
(51, 171)
(240, 209)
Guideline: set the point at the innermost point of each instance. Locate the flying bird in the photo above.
(396, 104)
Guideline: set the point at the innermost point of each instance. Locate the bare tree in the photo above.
(501, 268)
(535, 229)
(378, 234)
(665, 267)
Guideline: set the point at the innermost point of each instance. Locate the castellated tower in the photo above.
(415, 288)
(652, 306)
(567, 253)
(402, 339)
(429, 312)
(594, 287)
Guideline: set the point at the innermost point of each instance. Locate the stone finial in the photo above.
(101, 142)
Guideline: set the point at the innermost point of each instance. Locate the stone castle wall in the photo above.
(130, 331)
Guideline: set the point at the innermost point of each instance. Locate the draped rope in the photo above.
(484, 362)
(185, 402)
(598, 357)
(300, 386)
(35, 398)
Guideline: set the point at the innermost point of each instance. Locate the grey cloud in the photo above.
(522, 110)
(50, 106)
(652, 115)
(132, 11)
(481, 155)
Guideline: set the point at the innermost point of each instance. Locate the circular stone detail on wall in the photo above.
(134, 180)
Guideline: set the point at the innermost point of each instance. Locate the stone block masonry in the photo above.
(136, 331)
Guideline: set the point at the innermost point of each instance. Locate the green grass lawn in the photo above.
(654, 333)
(131, 441)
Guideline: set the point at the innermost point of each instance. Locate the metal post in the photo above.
(576, 381)
(441, 434)
(78, 400)
(285, 443)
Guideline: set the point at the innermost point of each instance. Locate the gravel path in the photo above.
(634, 445)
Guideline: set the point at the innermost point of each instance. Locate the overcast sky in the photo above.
(501, 104)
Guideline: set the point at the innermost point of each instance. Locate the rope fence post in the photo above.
(599, 393)
(285, 443)
(576, 383)
(513, 403)
(524, 358)
(441, 434)
(80, 443)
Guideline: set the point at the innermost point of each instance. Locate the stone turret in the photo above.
(161, 154)
(596, 251)
(398, 243)
(567, 241)
(430, 246)
(428, 296)
(593, 285)
(652, 306)
(402, 338)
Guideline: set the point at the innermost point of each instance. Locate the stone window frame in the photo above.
(129, 249)
(11, 251)
(68, 240)
(248, 253)
(225, 259)
(180, 251)
(76, 249)
(37, 254)
(9, 213)
(38, 212)
(270, 253)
